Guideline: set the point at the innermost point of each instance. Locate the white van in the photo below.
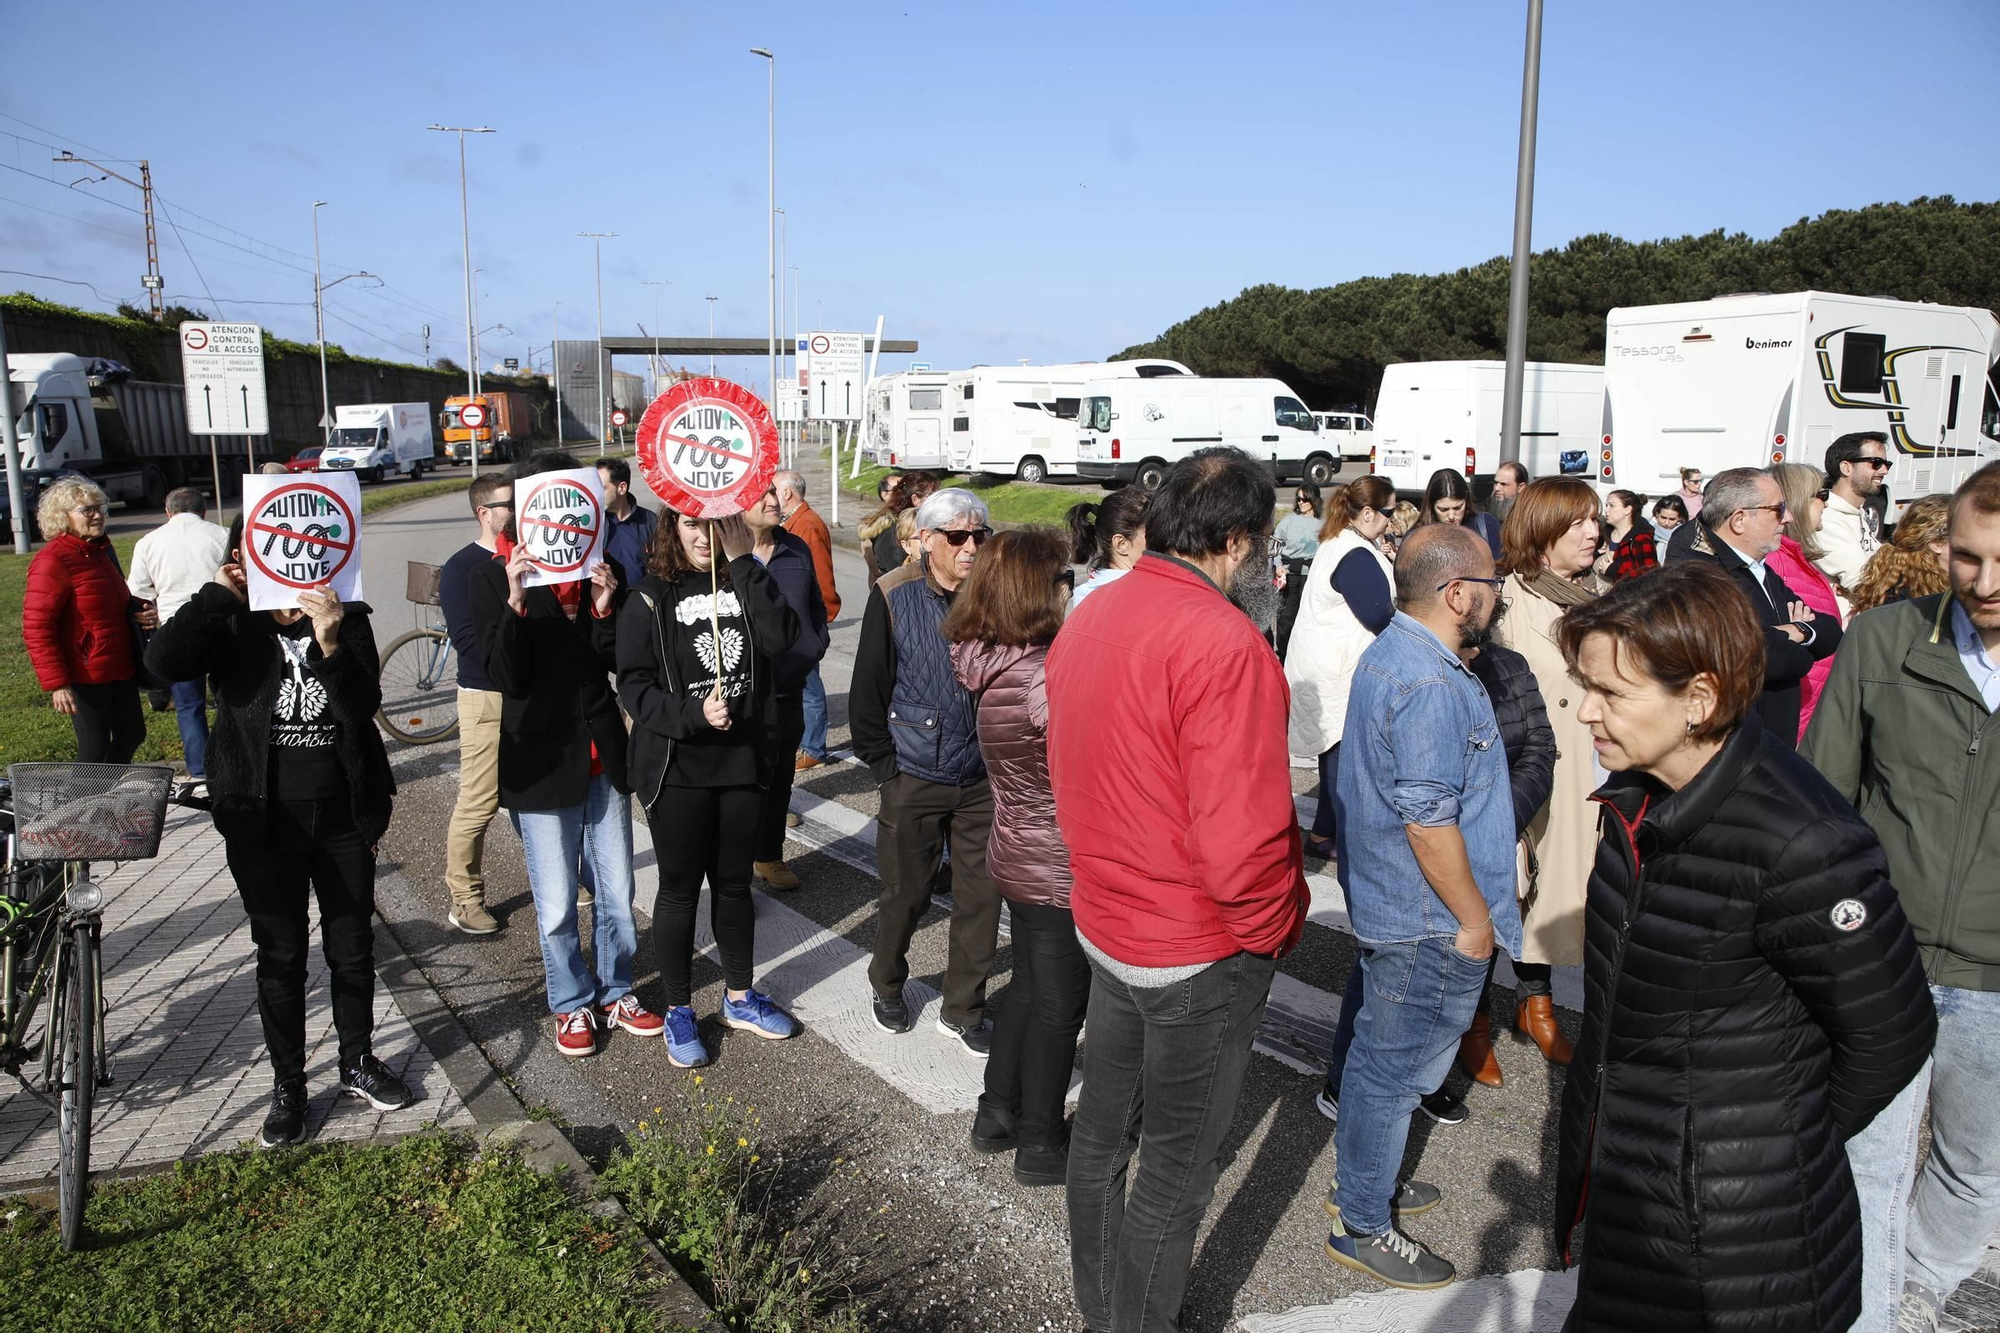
(1747, 381)
(1020, 421)
(906, 420)
(1446, 414)
(1349, 436)
(377, 439)
(1134, 429)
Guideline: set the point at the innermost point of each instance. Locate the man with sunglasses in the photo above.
(1857, 466)
(478, 712)
(915, 727)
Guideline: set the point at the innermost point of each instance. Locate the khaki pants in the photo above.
(478, 794)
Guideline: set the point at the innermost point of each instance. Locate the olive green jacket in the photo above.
(1903, 734)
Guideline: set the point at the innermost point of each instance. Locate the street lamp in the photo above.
(597, 238)
(555, 366)
(465, 234)
(771, 216)
(711, 335)
(319, 326)
(656, 284)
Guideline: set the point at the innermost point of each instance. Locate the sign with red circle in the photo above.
(618, 417)
(196, 338)
(559, 522)
(472, 415)
(708, 448)
(298, 535)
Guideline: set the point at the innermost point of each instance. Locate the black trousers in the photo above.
(910, 832)
(1288, 602)
(782, 743)
(108, 722)
(279, 853)
(1034, 1038)
(704, 833)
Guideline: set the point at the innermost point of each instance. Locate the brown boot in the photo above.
(1475, 1053)
(1537, 1019)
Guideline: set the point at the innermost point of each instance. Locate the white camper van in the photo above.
(1020, 421)
(1446, 414)
(906, 419)
(377, 439)
(1747, 381)
(1135, 429)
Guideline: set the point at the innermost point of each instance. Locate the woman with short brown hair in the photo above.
(1752, 992)
(1000, 626)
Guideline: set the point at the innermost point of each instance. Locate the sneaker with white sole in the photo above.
(370, 1079)
(1412, 1197)
(1328, 1104)
(977, 1039)
(684, 1048)
(472, 918)
(756, 1014)
(634, 1017)
(576, 1035)
(1391, 1257)
(286, 1124)
(1918, 1312)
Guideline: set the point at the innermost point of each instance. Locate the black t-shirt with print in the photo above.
(305, 766)
(713, 758)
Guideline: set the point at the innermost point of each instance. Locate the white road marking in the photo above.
(1526, 1301)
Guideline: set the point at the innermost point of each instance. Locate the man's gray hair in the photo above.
(1733, 489)
(186, 500)
(1438, 553)
(948, 506)
(787, 479)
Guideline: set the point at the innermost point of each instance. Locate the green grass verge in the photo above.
(374, 499)
(427, 1235)
(1011, 503)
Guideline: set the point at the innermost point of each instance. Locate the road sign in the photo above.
(222, 366)
(708, 448)
(790, 405)
(512, 363)
(832, 368)
(618, 417)
(472, 416)
(301, 534)
(561, 524)
(152, 281)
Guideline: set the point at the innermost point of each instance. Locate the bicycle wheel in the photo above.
(420, 688)
(76, 1080)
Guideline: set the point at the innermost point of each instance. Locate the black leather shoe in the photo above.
(1037, 1167)
(992, 1130)
(892, 1014)
(286, 1124)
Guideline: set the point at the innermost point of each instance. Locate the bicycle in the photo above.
(55, 819)
(420, 670)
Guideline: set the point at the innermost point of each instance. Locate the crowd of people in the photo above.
(1735, 763)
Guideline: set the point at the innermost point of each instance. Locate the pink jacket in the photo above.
(1025, 855)
(1804, 578)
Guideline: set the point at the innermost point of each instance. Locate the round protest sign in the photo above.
(708, 448)
(561, 523)
(301, 535)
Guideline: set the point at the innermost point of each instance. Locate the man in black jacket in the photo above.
(789, 562)
(1742, 521)
(549, 650)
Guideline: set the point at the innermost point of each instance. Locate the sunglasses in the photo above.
(977, 536)
(1822, 494)
(1779, 509)
(1879, 464)
(498, 504)
(1066, 578)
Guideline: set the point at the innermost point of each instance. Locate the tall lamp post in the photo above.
(465, 233)
(656, 284)
(555, 366)
(1524, 216)
(771, 217)
(319, 326)
(597, 239)
(711, 335)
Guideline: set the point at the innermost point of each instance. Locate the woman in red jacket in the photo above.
(77, 621)
(1000, 629)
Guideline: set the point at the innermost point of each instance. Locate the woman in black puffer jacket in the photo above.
(1752, 994)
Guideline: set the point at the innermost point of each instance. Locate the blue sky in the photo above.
(1040, 181)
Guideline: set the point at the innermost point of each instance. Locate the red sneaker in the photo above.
(575, 1035)
(634, 1017)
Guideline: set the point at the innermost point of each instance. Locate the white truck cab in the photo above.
(375, 440)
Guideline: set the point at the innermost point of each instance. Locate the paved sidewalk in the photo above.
(187, 1052)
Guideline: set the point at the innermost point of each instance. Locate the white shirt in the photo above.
(1097, 579)
(1849, 537)
(1760, 571)
(170, 563)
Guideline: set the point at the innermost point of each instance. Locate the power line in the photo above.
(50, 277)
(190, 255)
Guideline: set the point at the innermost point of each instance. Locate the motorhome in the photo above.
(1751, 380)
(1133, 430)
(906, 420)
(1020, 421)
(376, 440)
(1446, 414)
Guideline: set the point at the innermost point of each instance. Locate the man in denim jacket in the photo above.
(1426, 858)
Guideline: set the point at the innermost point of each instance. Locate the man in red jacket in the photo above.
(1167, 714)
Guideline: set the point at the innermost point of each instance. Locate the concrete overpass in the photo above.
(688, 347)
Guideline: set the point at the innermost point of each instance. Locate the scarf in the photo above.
(1562, 591)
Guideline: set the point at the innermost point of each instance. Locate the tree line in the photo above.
(1331, 343)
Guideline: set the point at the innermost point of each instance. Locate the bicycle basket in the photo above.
(422, 582)
(89, 812)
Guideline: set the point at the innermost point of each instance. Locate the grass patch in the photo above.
(374, 499)
(1012, 504)
(428, 1235)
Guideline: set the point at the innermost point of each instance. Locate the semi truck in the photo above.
(1446, 414)
(502, 437)
(90, 417)
(376, 440)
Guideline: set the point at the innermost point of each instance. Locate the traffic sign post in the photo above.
(831, 369)
(561, 525)
(222, 369)
(708, 448)
(472, 416)
(300, 534)
(618, 420)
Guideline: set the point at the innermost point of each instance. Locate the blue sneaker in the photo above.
(684, 1048)
(755, 1013)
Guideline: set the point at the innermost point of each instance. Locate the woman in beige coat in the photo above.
(1547, 547)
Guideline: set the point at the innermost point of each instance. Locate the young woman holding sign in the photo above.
(695, 644)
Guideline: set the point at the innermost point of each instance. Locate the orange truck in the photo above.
(501, 437)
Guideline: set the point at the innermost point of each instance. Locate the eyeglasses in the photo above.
(1822, 494)
(88, 509)
(958, 538)
(1779, 509)
(498, 504)
(1495, 584)
(1879, 464)
(1066, 578)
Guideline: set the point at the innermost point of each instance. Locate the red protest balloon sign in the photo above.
(708, 448)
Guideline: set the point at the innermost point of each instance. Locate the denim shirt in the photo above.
(1421, 747)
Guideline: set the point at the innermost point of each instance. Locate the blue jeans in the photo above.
(814, 743)
(552, 841)
(1941, 1236)
(1417, 999)
(191, 713)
